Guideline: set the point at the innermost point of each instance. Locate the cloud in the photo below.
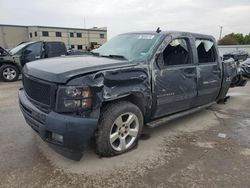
(131, 15)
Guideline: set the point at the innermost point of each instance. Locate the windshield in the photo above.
(132, 47)
(18, 48)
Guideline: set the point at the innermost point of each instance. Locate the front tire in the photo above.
(9, 73)
(120, 126)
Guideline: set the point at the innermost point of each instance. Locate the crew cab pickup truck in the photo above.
(135, 79)
(11, 62)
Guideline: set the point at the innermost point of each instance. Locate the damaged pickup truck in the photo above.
(135, 79)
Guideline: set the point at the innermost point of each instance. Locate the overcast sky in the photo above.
(132, 15)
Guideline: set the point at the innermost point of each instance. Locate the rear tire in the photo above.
(9, 73)
(119, 128)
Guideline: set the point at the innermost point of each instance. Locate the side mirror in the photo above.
(159, 60)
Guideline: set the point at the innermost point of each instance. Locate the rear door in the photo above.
(175, 78)
(209, 71)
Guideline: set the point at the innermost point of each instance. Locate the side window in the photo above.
(177, 53)
(33, 50)
(54, 49)
(205, 50)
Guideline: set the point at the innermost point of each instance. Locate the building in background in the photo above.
(75, 38)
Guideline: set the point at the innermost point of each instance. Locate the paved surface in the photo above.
(184, 153)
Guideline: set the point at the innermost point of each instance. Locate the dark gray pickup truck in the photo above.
(135, 79)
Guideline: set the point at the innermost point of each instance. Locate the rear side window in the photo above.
(177, 53)
(206, 51)
(55, 49)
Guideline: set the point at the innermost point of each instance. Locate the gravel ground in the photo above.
(183, 153)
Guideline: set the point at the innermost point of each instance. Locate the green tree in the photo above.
(234, 39)
(228, 40)
(247, 39)
(239, 37)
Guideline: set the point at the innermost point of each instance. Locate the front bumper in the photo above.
(76, 131)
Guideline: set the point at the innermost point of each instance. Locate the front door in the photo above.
(31, 53)
(175, 78)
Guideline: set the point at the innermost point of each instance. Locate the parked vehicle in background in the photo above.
(237, 55)
(135, 79)
(78, 52)
(245, 68)
(11, 62)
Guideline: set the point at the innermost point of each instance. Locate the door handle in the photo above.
(190, 75)
(216, 71)
(189, 72)
(142, 77)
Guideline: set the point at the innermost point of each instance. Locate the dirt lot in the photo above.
(184, 153)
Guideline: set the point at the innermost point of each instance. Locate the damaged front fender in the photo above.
(132, 83)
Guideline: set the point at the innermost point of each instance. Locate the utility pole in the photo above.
(221, 27)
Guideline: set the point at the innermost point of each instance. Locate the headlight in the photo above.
(73, 98)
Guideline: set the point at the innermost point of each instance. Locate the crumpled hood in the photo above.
(61, 69)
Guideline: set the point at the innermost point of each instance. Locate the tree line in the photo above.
(235, 39)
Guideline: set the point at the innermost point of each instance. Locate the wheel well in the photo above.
(136, 99)
(10, 63)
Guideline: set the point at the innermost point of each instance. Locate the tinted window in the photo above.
(58, 34)
(206, 51)
(54, 49)
(79, 35)
(45, 33)
(33, 50)
(177, 53)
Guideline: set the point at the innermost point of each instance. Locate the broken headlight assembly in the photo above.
(73, 98)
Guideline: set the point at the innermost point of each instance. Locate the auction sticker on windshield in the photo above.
(148, 37)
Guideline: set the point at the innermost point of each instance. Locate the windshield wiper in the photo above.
(114, 56)
(95, 53)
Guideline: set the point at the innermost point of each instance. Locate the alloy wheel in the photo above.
(9, 73)
(124, 131)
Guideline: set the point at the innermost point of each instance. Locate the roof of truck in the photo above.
(197, 35)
